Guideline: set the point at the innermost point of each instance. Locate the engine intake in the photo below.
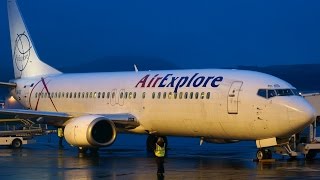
(90, 131)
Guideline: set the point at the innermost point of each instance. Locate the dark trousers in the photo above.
(160, 161)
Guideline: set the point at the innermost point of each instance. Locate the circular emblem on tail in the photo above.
(22, 51)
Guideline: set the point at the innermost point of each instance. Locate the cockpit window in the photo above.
(262, 93)
(269, 93)
(295, 92)
(284, 92)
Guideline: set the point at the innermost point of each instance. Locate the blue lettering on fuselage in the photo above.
(169, 80)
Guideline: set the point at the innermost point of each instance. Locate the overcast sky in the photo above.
(191, 34)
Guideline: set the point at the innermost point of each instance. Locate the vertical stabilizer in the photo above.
(25, 59)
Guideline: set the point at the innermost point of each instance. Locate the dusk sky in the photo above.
(190, 34)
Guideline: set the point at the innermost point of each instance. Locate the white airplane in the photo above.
(215, 105)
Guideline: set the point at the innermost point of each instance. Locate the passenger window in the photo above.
(67, 95)
(74, 95)
(121, 95)
(108, 95)
(103, 94)
(95, 95)
(36, 95)
(208, 95)
(197, 95)
(87, 94)
(159, 95)
(113, 95)
(79, 94)
(126, 95)
(202, 95)
(180, 95)
(99, 95)
(130, 95)
(90, 95)
(153, 95)
(143, 95)
(169, 95)
(164, 95)
(175, 95)
(186, 95)
(191, 95)
(62, 95)
(83, 95)
(134, 95)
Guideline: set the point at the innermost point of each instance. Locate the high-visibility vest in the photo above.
(160, 151)
(60, 132)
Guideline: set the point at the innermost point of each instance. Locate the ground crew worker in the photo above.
(60, 135)
(160, 152)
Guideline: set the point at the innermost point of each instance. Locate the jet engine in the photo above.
(90, 131)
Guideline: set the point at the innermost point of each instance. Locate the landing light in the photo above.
(11, 99)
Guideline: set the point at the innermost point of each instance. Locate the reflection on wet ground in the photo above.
(127, 159)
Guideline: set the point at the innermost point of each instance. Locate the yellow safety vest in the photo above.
(60, 132)
(160, 151)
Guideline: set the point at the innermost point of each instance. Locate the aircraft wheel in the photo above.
(264, 154)
(260, 154)
(16, 143)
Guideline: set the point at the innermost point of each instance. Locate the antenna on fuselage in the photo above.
(135, 68)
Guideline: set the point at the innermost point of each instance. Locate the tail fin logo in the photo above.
(22, 49)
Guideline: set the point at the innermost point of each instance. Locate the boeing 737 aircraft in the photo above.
(214, 105)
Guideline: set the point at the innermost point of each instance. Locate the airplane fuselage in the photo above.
(211, 103)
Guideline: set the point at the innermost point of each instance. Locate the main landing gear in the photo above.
(83, 150)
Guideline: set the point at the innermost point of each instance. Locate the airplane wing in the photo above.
(122, 121)
(45, 117)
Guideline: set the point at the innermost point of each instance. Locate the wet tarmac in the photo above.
(127, 159)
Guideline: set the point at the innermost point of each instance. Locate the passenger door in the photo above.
(233, 97)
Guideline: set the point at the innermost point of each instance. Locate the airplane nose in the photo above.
(300, 115)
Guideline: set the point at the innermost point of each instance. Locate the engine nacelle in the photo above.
(220, 141)
(90, 131)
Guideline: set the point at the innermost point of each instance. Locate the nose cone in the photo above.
(300, 114)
